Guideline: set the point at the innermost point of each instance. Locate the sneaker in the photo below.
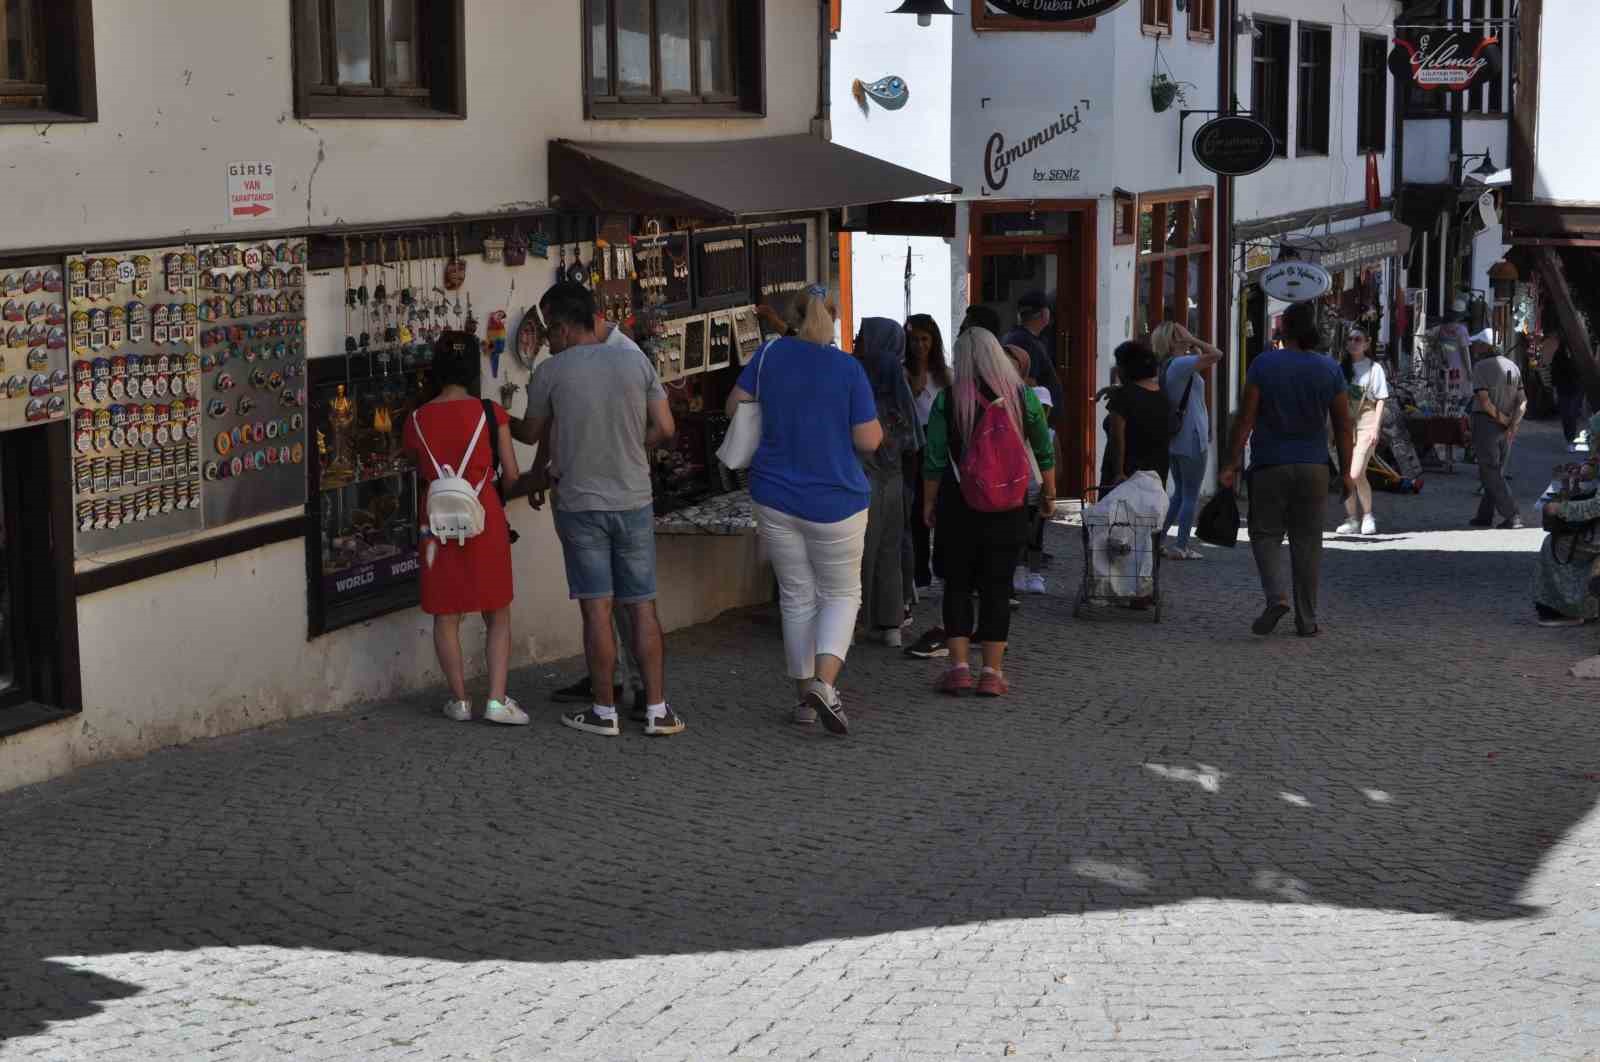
(580, 692)
(1019, 581)
(804, 714)
(506, 712)
(1369, 525)
(1267, 622)
(891, 637)
(1560, 621)
(1351, 526)
(1193, 554)
(956, 681)
(664, 725)
(1035, 583)
(460, 711)
(1174, 553)
(929, 646)
(831, 713)
(590, 723)
(992, 684)
(1513, 524)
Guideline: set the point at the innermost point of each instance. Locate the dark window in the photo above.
(46, 61)
(673, 58)
(1372, 118)
(380, 58)
(1202, 20)
(1491, 95)
(1316, 45)
(1173, 280)
(1157, 17)
(1269, 79)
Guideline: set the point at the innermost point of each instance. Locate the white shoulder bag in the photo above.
(738, 447)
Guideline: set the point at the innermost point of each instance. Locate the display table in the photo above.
(725, 514)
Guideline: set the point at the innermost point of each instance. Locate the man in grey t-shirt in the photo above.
(609, 409)
(1498, 403)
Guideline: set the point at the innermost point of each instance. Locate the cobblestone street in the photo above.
(1171, 841)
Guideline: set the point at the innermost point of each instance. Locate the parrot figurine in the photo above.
(495, 340)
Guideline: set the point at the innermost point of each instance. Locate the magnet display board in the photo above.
(33, 347)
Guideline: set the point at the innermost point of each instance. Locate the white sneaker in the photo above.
(1351, 526)
(1035, 583)
(804, 714)
(507, 711)
(1174, 553)
(1193, 554)
(460, 711)
(1369, 525)
(1019, 581)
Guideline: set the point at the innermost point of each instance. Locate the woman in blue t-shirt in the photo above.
(818, 416)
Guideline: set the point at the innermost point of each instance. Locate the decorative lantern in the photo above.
(1503, 277)
(924, 10)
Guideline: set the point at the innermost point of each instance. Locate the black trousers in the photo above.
(980, 550)
(921, 538)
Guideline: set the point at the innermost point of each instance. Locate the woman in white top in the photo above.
(1369, 389)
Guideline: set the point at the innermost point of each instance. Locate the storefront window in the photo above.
(1174, 280)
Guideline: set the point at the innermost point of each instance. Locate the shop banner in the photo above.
(1023, 151)
(1445, 59)
(360, 580)
(1054, 10)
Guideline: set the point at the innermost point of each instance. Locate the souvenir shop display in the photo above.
(33, 347)
(781, 261)
(722, 273)
(250, 302)
(132, 329)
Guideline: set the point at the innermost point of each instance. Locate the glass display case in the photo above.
(361, 553)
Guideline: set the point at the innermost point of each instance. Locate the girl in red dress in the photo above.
(475, 575)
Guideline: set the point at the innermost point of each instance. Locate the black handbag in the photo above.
(1219, 520)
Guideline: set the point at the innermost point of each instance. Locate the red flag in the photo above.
(1374, 188)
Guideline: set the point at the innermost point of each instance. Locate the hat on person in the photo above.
(1031, 303)
(1486, 336)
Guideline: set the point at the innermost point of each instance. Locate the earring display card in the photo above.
(252, 356)
(695, 343)
(722, 269)
(135, 386)
(782, 260)
(33, 347)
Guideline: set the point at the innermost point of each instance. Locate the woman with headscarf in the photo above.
(881, 346)
(980, 546)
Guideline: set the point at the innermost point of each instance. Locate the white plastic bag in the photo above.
(1121, 550)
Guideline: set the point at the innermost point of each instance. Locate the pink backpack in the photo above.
(994, 471)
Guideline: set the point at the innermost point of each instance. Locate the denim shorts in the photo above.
(609, 554)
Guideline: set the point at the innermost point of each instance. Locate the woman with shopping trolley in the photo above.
(987, 442)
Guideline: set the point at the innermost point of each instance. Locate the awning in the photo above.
(724, 180)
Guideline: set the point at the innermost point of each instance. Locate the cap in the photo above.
(1032, 301)
(1485, 336)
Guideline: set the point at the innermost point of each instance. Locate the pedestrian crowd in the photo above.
(900, 468)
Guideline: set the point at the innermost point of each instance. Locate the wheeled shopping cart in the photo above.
(1121, 560)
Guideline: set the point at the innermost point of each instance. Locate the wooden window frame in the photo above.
(1281, 64)
(1205, 250)
(1155, 18)
(750, 72)
(986, 21)
(1369, 111)
(64, 58)
(441, 89)
(1124, 218)
(1203, 21)
(1302, 107)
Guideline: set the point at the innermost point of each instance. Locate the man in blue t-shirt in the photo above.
(1288, 396)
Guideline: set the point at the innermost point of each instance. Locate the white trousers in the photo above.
(819, 583)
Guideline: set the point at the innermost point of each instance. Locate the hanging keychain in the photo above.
(561, 263)
(349, 303)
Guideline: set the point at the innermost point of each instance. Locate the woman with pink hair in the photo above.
(981, 546)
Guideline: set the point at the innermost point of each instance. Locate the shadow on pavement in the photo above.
(1421, 757)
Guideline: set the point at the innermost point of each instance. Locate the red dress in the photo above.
(474, 576)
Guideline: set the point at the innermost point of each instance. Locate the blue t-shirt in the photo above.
(811, 397)
(1297, 387)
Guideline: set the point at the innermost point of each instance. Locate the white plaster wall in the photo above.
(1568, 168)
(1293, 184)
(187, 86)
(1488, 247)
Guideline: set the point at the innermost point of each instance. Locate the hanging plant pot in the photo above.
(1164, 92)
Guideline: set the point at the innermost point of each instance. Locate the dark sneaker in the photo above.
(580, 692)
(1267, 622)
(929, 646)
(590, 723)
(664, 725)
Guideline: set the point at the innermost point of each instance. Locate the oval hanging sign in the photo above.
(1292, 280)
(1055, 10)
(1234, 146)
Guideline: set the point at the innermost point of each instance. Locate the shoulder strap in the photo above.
(1183, 403)
(416, 422)
(763, 354)
(489, 418)
(472, 448)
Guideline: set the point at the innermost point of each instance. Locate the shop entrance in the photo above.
(1048, 247)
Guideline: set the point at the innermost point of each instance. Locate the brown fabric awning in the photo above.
(724, 180)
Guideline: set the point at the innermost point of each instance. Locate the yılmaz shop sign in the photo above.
(1054, 10)
(1445, 59)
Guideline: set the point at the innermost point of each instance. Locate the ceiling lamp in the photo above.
(924, 10)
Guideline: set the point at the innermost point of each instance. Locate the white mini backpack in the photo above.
(454, 511)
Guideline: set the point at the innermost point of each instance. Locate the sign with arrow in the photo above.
(252, 192)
